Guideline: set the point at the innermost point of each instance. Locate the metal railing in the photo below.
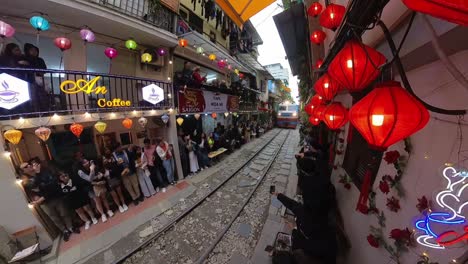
(69, 92)
(161, 17)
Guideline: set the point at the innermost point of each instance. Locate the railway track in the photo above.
(192, 235)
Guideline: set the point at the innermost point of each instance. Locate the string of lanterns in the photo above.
(330, 18)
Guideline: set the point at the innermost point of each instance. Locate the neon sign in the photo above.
(452, 202)
(13, 91)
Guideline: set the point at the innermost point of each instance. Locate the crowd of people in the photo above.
(96, 189)
(318, 236)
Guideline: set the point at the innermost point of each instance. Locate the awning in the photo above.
(198, 40)
(242, 10)
(250, 60)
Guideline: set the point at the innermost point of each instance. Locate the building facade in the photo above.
(278, 72)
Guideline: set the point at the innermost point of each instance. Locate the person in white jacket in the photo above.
(141, 165)
(164, 152)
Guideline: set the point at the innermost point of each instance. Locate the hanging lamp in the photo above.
(455, 11)
(314, 9)
(332, 16)
(387, 115)
(63, 43)
(183, 42)
(43, 133)
(127, 123)
(356, 66)
(131, 44)
(180, 121)
(212, 57)
(87, 35)
(76, 129)
(100, 127)
(318, 63)
(13, 136)
(335, 116)
(318, 36)
(326, 87)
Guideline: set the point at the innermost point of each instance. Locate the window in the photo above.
(96, 60)
(282, 108)
(47, 50)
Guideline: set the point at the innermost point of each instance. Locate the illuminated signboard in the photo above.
(13, 91)
(448, 226)
(153, 94)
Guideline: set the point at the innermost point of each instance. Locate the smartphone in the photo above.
(272, 189)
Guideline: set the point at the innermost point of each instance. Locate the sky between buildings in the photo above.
(272, 50)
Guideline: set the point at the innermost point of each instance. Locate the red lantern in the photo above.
(318, 111)
(318, 64)
(318, 36)
(326, 87)
(387, 115)
(214, 115)
(455, 11)
(314, 9)
(63, 43)
(309, 108)
(76, 129)
(356, 66)
(314, 120)
(335, 116)
(241, 75)
(127, 123)
(332, 16)
(316, 99)
(183, 42)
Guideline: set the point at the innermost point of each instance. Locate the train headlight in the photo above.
(294, 114)
(279, 114)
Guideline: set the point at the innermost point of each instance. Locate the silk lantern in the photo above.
(131, 44)
(214, 115)
(335, 116)
(6, 30)
(455, 11)
(221, 64)
(314, 120)
(200, 50)
(197, 116)
(162, 52)
(309, 108)
(62, 43)
(212, 57)
(318, 36)
(146, 57)
(183, 42)
(314, 9)
(236, 71)
(13, 136)
(356, 66)
(319, 111)
(127, 123)
(180, 121)
(87, 35)
(143, 121)
(387, 115)
(326, 87)
(111, 53)
(100, 127)
(43, 133)
(332, 16)
(318, 64)
(316, 99)
(165, 118)
(39, 23)
(226, 114)
(76, 129)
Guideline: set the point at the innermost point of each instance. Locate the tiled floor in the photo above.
(102, 234)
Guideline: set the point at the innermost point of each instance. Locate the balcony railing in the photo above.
(69, 92)
(161, 17)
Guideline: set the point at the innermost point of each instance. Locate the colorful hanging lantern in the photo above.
(356, 66)
(13, 136)
(326, 87)
(221, 64)
(214, 115)
(318, 64)
(165, 118)
(100, 127)
(183, 42)
(319, 111)
(143, 121)
(146, 58)
(180, 121)
(6, 30)
(318, 36)
(162, 52)
(236, 71)
(212, 57)
(332, 16)
(63, 43)
(197, 116)
(455, 11)
(314, 120)
(131, 44)
(241, 75)
(43, 133)
(229, 67)
(127, 123)
(314, 9)
(200, 50)
(335, 116)
(39, 23)
(317, 100)
(111, 53)
(309, 108)
(226, 114)
(387, 115)
(87, 35)
(76, 129)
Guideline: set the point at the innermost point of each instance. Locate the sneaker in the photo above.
(201, 169)
(95, 221)
(110, 213)
(142, 198)
(121, 209)
(172, 183)
(87, 224)
(66, 236)
(103, 218)
(164, 190)
(125, 207)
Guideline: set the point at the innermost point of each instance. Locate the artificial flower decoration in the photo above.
(403, 236)
(384, 187)
(391, 156)
(373, 241)
(423, 204)
(318, 36)
(393, 204)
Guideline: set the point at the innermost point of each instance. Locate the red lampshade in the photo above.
(314, 120)
(316, 99)
(63, 43)
(183, 42)
(332, 16)
(356, 66)
(387, 115)
(318, 64)
(318, 36)
(318, 111)
(314, 9)
(335, 116)
(309, 108)
(326, 87)
(455, 11)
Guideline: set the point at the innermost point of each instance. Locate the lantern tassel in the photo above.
(364, 196)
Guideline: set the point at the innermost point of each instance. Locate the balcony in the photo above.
(161, 17)
(72, 92)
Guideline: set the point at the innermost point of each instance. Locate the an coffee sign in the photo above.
(13, 91)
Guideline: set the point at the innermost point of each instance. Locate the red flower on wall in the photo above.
(373, 241)
(423, 204)
(384, 187)
(393, 204)
(391, 156)
(401, 235)
(347, 186)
